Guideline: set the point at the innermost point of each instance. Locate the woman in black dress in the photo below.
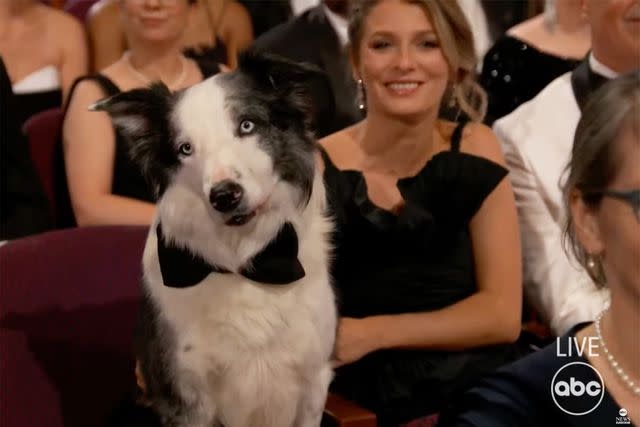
(44, 51)
(427, 256)
(533, 53)
(104, 185)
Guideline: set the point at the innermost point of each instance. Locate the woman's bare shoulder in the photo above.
(478, 139)
(63, 26)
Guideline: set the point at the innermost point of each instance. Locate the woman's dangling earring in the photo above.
(361, 96)
(452, 97)
(549, 15)
(453, 102)
(594, 265)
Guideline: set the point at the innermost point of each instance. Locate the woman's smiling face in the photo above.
(400, 60)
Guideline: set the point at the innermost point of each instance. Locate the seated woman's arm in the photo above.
(74, 61)
(89, 152)
(490, 316)
(236, 30)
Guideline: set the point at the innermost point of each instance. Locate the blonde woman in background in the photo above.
(44, 51)
(104, 186)
(217, 30)
(427, 263)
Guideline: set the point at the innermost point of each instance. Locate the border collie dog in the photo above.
(238, 317)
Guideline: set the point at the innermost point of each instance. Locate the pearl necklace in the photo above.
(612, 361)
(147, 81)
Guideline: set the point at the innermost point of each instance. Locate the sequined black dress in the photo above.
(514, 72)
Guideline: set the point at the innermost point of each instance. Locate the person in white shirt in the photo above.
(537, 139)
(477, 18)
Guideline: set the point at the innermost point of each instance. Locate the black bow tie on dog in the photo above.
(276, 264)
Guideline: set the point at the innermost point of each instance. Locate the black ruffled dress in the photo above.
(418, 260)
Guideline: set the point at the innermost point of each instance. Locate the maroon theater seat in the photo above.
(79, 8)
(68, 300)
(43, 130)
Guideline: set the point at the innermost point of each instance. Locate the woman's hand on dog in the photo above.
(355, 339)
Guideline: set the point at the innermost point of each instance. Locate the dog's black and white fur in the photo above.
(232, 160)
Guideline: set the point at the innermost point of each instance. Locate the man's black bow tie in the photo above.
(276, 264)
(584, 81)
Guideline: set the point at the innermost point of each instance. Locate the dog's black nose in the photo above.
(226, 196)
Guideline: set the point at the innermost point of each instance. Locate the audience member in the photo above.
(427, 256)
(23, 207)
(266, 15)
(104, 186)
(44, 51)
(537, 141)
(217, 30)
(319, 36)
(602, 194)
(532, 54)
(474, 12)
(504, 14)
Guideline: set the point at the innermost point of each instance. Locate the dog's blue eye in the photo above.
(185, 149)
(247, 127)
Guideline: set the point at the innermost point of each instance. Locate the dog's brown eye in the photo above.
(247, 127)
(185, 149)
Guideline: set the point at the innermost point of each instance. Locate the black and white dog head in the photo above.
(238, 143)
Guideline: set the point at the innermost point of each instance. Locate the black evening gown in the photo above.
(418, 260)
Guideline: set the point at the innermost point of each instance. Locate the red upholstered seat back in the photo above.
(42, 131)
(68, 301)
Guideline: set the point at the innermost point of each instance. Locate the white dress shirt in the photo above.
(339, 24)
(474, 13)
(537, 139)
(299, 6)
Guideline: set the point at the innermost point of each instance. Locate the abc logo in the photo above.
(623, 412)
(577, 388)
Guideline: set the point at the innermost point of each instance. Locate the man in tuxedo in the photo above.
(267, 14)
(319, 36)
(537, 140)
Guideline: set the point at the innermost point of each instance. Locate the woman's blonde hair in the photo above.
(456, 39)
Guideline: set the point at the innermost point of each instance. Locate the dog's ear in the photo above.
(291, 81)
(142, 117)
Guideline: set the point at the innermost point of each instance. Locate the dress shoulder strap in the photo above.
(457, 136)
(106, 84)
(108, 87)
(328, 163)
